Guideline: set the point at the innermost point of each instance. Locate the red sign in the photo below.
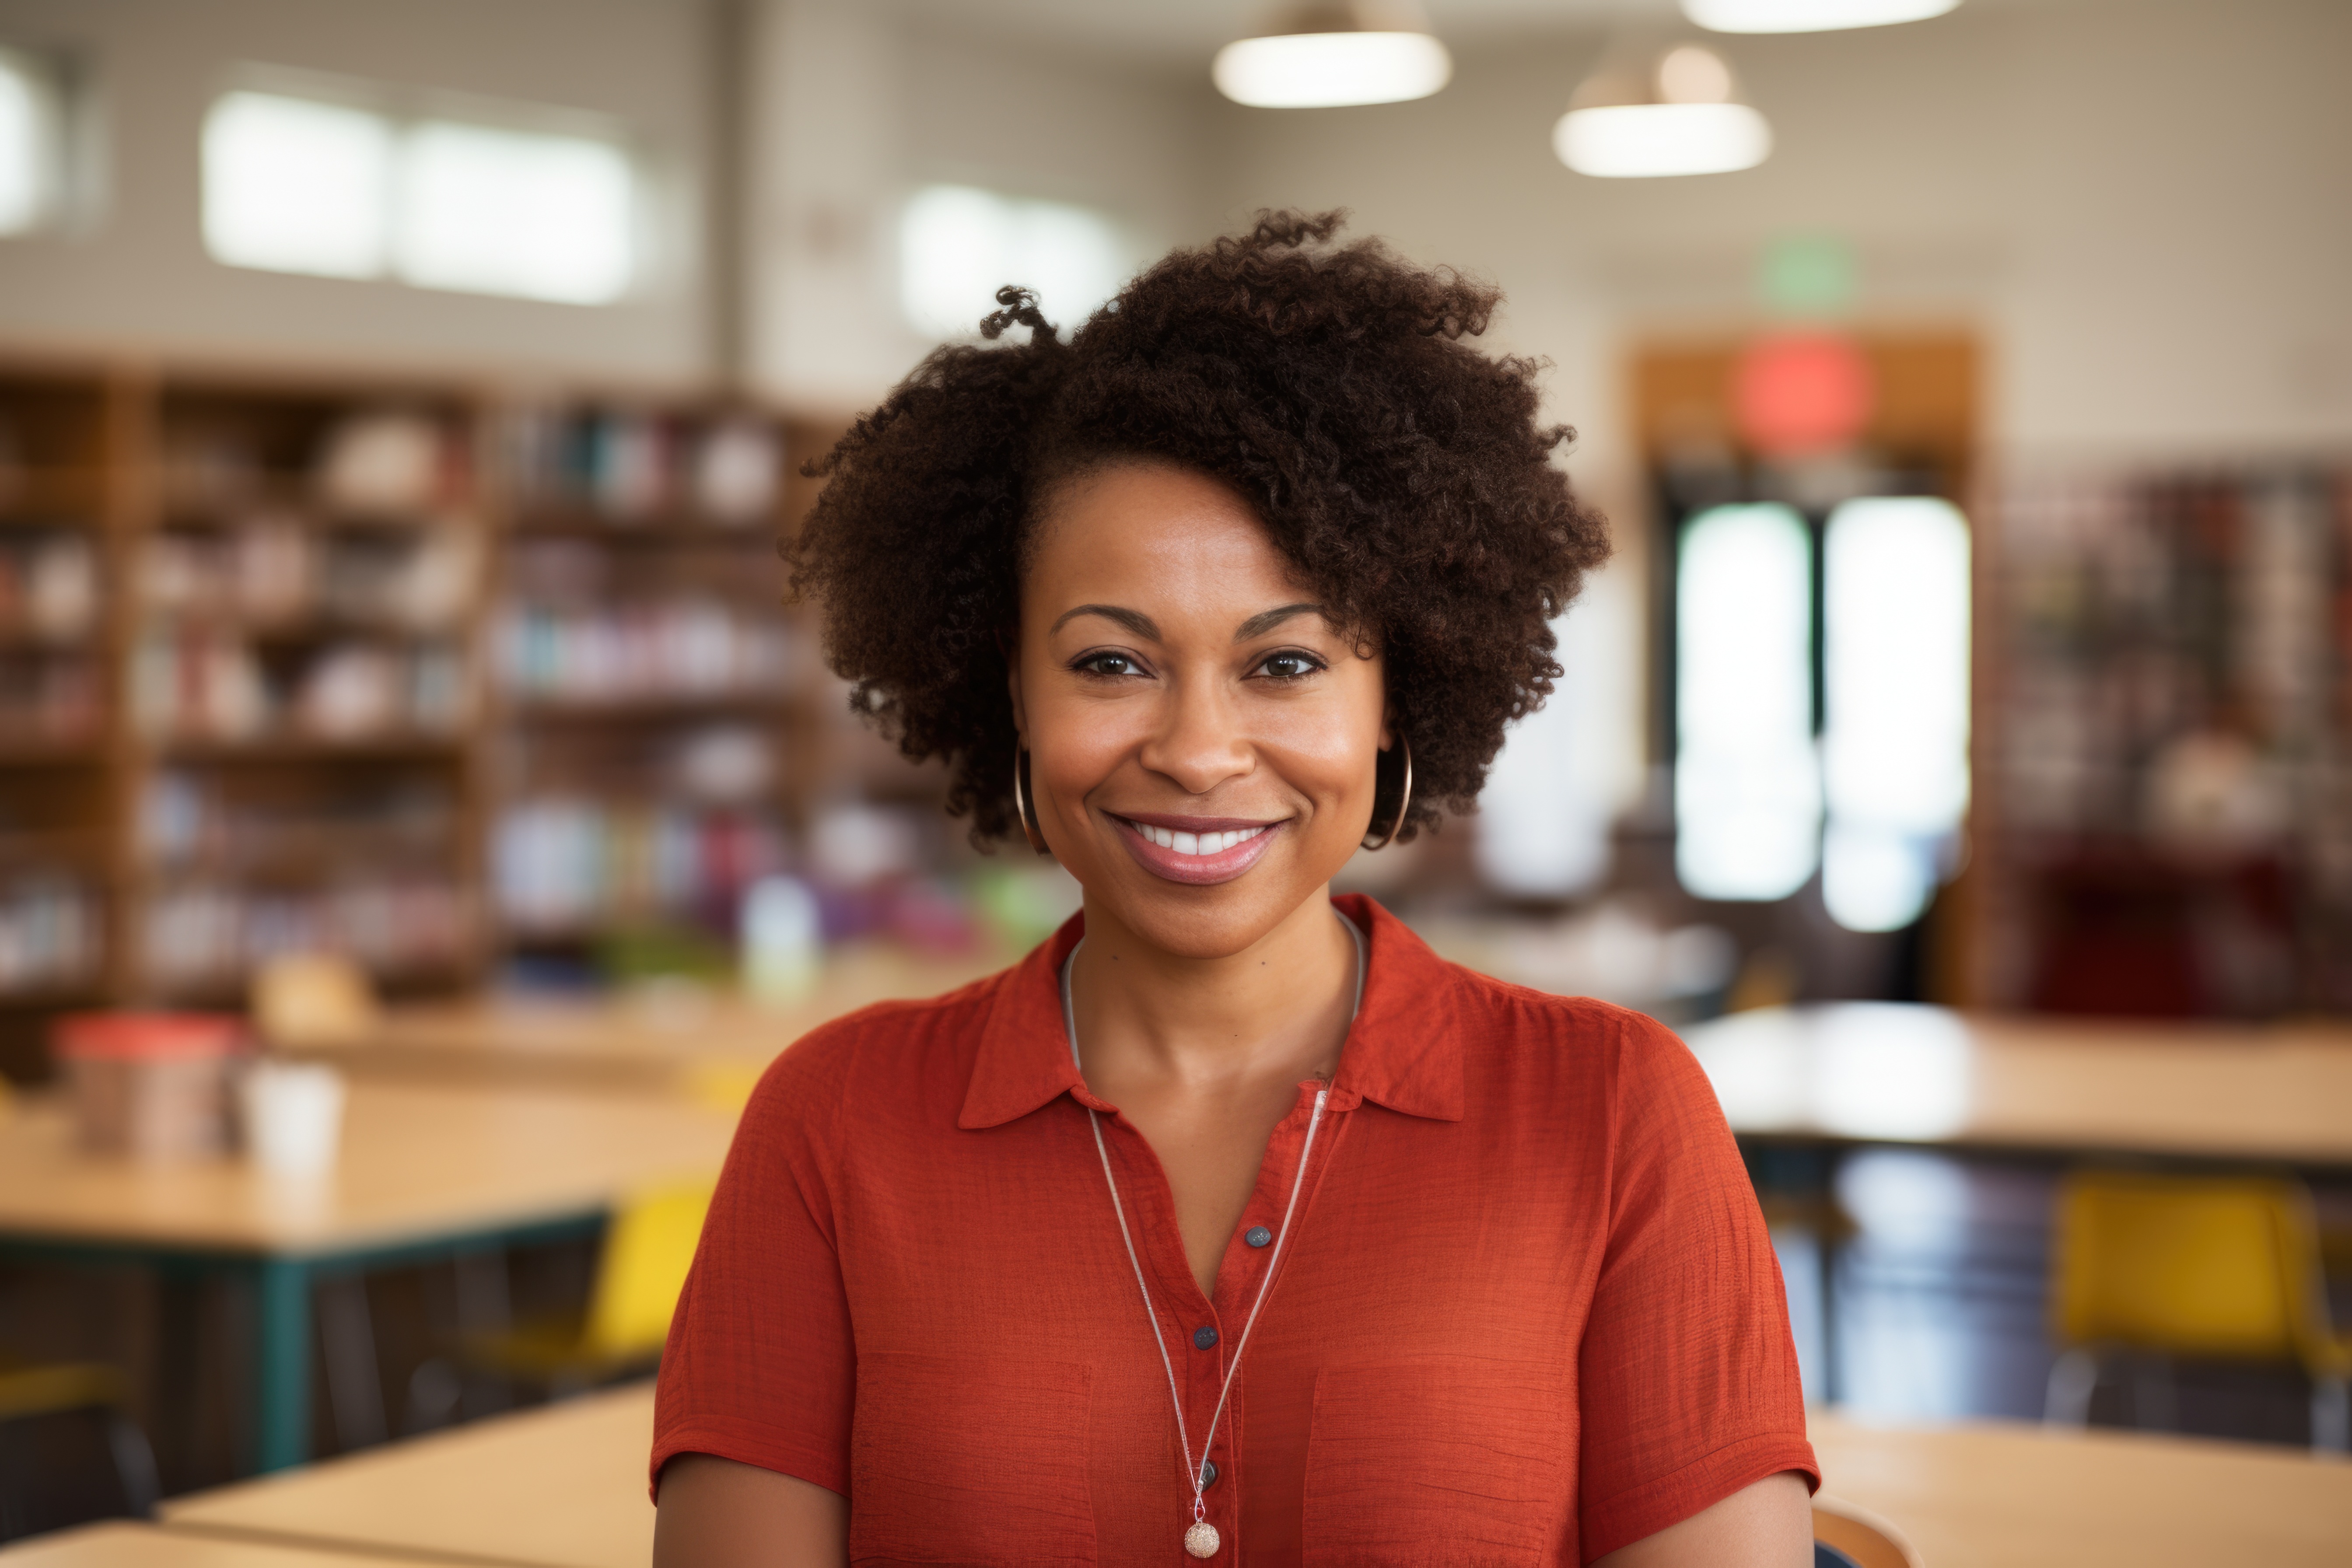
(1803, 394)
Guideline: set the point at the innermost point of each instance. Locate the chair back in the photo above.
(1860, 1538)
(647, 1250)
(2190, 1265)
(305, 1001)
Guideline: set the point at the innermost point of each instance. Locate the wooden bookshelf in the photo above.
(285, 660)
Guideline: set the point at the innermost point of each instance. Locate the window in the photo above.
(1748, 786)
(959, 245)
(1895, 747)
(1890, 772)
(299, 185)
(32, 142)
(1568, 769)
(295, 186)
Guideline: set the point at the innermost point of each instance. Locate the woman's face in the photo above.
(1201, 741)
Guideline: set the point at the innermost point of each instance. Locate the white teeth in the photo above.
(1197, 843)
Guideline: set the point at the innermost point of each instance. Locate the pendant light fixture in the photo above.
(1328, 56)
(1809, 16)
(1677, 112)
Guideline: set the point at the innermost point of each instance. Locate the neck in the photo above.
(1280, 1006)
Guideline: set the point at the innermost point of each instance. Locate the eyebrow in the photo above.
(1136, 621)
(1264, 621)
(1144, 626)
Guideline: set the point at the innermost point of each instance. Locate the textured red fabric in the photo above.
(1528, 1313)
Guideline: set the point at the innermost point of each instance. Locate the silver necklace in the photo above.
(1201, 1539)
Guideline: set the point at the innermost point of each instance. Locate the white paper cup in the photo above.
(293, 1116)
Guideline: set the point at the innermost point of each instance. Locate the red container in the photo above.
(151, 1085)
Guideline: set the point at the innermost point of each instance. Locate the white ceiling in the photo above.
(1169, 31)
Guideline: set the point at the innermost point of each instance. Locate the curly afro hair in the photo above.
(1403, 474)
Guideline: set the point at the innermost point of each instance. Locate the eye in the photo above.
(1289, 664)
(1106, 664)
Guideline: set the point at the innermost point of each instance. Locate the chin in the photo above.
(1200, 922)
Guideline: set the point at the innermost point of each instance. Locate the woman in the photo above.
(1230, 1221)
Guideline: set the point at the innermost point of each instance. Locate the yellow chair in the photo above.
(2195, 1266)
(648, 1247)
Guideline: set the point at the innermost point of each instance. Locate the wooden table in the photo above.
(2004, 1495)
(1888, 1072)
(426, 1170)
(657, 1039)
(144, 1546)
(564, 1486)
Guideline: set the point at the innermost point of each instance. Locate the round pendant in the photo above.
(1200, 1540)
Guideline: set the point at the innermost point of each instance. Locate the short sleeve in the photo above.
(1688, 1375)
(760, 1366)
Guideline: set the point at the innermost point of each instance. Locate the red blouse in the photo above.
(1528, 1311)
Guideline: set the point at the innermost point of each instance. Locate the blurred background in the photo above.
(406, 743)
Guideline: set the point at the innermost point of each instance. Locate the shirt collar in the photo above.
(1403, 1051)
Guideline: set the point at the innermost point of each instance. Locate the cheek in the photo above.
(1075, 745)
(1325, 751)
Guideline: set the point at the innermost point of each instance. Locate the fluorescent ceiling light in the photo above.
(1642, 141)
(1809, 16)
(1329, 70)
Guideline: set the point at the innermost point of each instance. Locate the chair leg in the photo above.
(2066, 1402)
(354, 1385)
(2155, 1403)
(134, 1465)
(2331, 1415)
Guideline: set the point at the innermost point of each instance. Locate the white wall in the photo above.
(859, 104)
(137, 277)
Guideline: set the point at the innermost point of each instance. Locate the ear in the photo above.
(1388, 728)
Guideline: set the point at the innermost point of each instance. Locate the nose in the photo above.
(1198, 741)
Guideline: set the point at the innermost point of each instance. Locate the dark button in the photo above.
(1257, 1235)
(1204, 1338)
(1208, 1472)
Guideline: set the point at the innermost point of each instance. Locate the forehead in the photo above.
(1149, 529)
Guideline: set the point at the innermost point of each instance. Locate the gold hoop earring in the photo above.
(1403, 804)
(1030, 828)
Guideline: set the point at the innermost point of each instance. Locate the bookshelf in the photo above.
(645, 681)
(460, 681)
(2169, 750)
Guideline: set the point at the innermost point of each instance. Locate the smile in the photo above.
(1196, 842)
(1202, 851)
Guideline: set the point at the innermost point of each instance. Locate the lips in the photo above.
(1198, 850)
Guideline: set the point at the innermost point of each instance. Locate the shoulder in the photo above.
(901, 1046)
(1539, 1043)
(1543, 1022)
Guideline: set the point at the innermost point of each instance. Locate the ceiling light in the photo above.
(1677, 114)
(1809, 16)
(1328, 56)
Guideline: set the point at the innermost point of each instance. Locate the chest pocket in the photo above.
(956, 1461)
(1451, 1460)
